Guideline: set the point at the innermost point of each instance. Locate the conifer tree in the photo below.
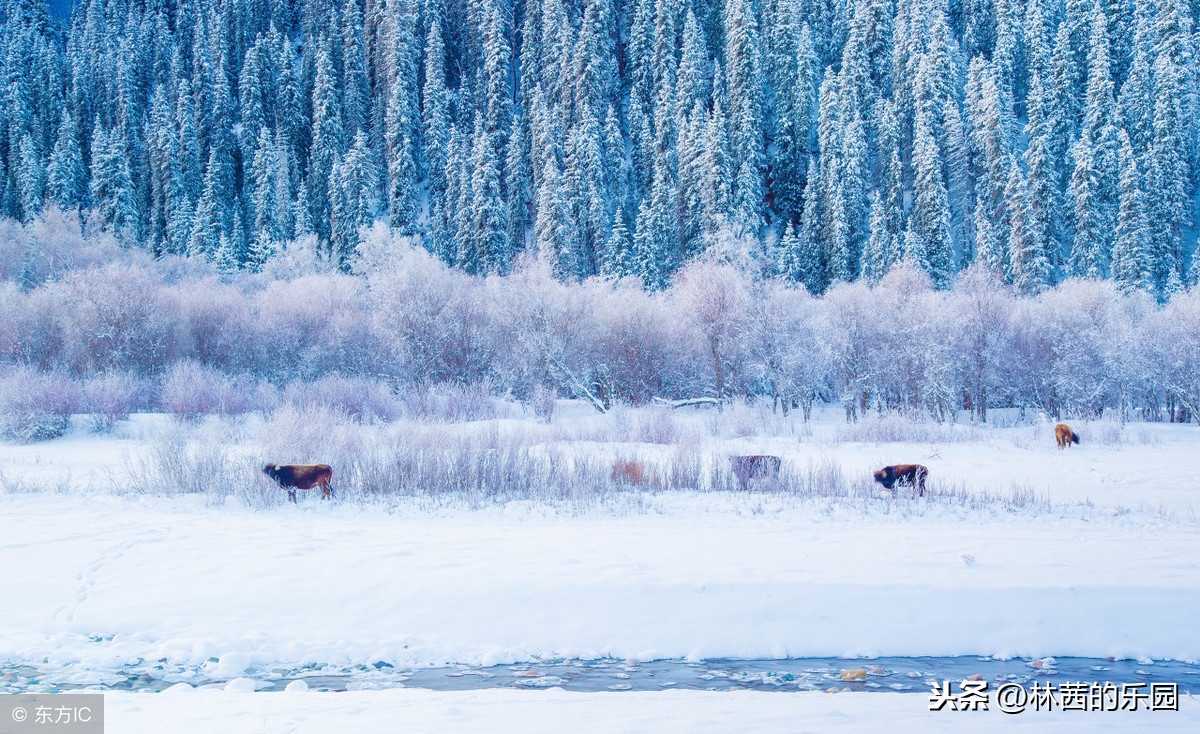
(112, 189)
(67, 176)
(1132, 267)
(352, 199)
(1031, 269)
(927, 242)
(745, 79)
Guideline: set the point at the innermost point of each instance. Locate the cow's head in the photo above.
(269, 470)
(886, 476)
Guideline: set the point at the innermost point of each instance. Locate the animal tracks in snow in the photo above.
(87, 578)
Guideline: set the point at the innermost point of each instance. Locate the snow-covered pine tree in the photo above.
(356, 88)
(328, 133)
(352, 199)
(809, 265)
(1032, 272)
(67, 175)
(111, 188)
(927, 242)
(1094, 181)
(618, 260)
(1045, 199)
(1132, 266)
(31, 178)
(743, 58)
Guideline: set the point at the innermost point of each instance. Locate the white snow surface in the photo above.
(531, 712)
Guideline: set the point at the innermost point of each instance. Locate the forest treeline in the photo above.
(817, 141)
(113, 330)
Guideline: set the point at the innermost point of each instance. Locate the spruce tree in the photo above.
(1132, 266)
(67, 176)
(927, 243)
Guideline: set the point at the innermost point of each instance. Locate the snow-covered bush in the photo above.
(358, 397)
(449, 403)
(113, 319)
(191, 391)
(712, 300)
(544, 401)
(36, 406)
(111, 397)
(433, 322)
(313, 326)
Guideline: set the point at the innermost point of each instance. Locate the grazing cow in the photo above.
(301, 476)
(911, 474)
(1065, 436)
(746, 468)
(629, 471)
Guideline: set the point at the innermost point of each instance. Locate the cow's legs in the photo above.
(292, 495)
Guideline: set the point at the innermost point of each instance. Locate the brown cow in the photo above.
(629, 471)
(910, 474)
(1065, 436)
(301, 476)
(746, 468)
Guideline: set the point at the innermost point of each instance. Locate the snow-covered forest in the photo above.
(815, 141)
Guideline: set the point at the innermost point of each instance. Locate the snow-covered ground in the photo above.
(96, 581)
(531, 712)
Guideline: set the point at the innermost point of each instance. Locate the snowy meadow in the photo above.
(480, 520)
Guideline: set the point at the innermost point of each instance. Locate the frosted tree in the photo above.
(618, 261)
(352, 199)
(1094, 181)
(111, 187)
(1032, 270)
(356, 89)
(1045, 200)
(435, 113)
(67, 176)
(1169, 153)
(328, 134)
(991, 141)
(927, 242)
(745, 79)
(31, 178)
(485, 248)
(402, 118)
(808, 265)
(1132, 266)
(718, 183)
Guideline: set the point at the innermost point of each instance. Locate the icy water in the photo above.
(914, 675)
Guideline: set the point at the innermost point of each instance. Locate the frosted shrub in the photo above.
(543, 401)
(450, 403)
(895, 427)
(435, 322)
(114, 319)
(357, 397)
(656, 425)
(178, 463)
(191, 391)
(35, 406)
(110, 398)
